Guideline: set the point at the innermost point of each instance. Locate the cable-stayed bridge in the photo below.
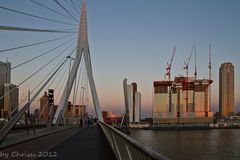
(66, 76)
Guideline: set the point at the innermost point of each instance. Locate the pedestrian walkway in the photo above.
(70, 144)
(23, 136)
(88, 143)
(38, 146)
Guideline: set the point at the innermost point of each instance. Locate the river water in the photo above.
(214, 144)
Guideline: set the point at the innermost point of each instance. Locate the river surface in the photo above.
(214, 144)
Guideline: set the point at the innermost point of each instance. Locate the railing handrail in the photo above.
(145, 149)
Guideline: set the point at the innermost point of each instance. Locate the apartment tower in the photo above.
(226, 89)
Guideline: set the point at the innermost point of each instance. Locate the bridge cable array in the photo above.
(35, 16)
(66, 10)
(46, 7)
(52, 77)
(71, 5)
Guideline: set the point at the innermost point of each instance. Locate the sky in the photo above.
(131, 39)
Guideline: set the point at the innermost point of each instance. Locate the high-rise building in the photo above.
(11, 98)
(132, 101)
(44, 108)
(9, 93)
(226, 89)
(184, 100)
(5, 72)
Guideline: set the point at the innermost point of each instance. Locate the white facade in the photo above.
(137, 107)
(161, 102)
(174, 103)
(178, 93)
(132, 102)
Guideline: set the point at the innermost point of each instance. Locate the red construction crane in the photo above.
(169, 65)
(186, 65)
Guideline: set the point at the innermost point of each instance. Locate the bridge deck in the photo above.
(86, 143)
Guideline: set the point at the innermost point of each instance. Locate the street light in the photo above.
(82, 88)
(70, 60)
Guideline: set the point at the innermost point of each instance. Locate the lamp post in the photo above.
(70, 64)
(83, 89)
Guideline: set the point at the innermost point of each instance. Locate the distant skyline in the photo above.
(132, 39)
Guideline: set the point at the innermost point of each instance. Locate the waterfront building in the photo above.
(9, 103)
(184, 100)
(112, 119)
(132, 101)
(226, 89)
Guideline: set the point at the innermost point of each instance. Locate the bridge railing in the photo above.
(126, 148)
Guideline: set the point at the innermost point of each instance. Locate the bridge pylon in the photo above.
(82, 52)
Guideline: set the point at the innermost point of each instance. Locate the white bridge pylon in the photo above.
(82, 51)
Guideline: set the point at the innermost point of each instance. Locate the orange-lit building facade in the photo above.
(112, 119)
(75, 110)
(226, 89)
(72, 111)
(184, 100)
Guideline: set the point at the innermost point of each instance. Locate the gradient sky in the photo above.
(135, 39)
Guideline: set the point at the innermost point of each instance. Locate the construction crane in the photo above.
(169, 65)
(186, 63)
(168, 73)
(186, 66)
(195, 62)
(210, 75)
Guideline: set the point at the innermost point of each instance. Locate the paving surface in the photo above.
(22, 136)
(70, 144)
(87, 144)
(28, 150)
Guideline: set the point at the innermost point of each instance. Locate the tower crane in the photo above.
(169, 65)
(186, 66)
(186, 63)
(195, 62)
(168, 73)
(210, 75)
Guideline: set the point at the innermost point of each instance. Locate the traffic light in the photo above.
(206, 114)
(178, 114)
(50, 96)
(69, 105)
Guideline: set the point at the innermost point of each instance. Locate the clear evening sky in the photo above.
(133, 39)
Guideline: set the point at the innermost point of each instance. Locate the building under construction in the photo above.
(184, 100)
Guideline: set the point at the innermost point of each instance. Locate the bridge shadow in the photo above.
(88, 143)
(70, 144)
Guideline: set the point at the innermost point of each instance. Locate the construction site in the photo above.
(185, 99)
